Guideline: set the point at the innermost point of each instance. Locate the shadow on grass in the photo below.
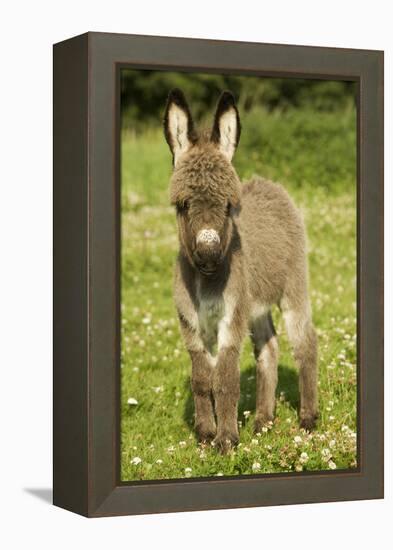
(188, 414)
(288, 381)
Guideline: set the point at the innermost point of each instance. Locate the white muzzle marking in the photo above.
(208, 236)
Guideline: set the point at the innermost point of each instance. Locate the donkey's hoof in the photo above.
(225, 442)
(205, 432)
(308, 422)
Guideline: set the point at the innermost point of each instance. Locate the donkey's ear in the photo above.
(226, 126)
(178, 124)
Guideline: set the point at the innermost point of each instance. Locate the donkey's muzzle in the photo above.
(208, 251)
(208, 237)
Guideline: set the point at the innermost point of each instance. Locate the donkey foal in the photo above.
(242, 249)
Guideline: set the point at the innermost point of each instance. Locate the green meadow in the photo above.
(313, 154)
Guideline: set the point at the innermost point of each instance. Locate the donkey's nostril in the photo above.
(197, 257)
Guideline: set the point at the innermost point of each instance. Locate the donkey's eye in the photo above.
(182, 207)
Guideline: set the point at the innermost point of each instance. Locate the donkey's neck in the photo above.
(208, 284)
(215, 283)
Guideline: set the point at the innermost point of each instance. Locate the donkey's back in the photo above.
(273, 240)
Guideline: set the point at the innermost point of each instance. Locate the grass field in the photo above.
(314, 156)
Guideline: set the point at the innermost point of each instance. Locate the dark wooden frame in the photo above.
(86, 273)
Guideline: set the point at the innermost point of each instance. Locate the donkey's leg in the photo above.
(201, 383)
(266, 354)
(302, 336)
(226, 376)
(226, 392)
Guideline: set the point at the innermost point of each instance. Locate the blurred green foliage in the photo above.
(144, 93)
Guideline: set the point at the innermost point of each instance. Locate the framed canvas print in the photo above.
(218, 274)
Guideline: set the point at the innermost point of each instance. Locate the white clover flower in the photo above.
(219, 474)
(159, 461)
(182, 443)
(136, 460)
(256, 467)
(132, 401)
(288, 420)
(332, 465)
(264, 429)
(246, 414)
(158, 389)
(303, 458)
(171, 449)
(326, 455)
(331, 417)
(344, 428)
(299, 467)
(332, 443)
(188, 472)
(297, 439)
(254, 441)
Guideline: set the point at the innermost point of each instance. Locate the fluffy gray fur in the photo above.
(225, 290)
